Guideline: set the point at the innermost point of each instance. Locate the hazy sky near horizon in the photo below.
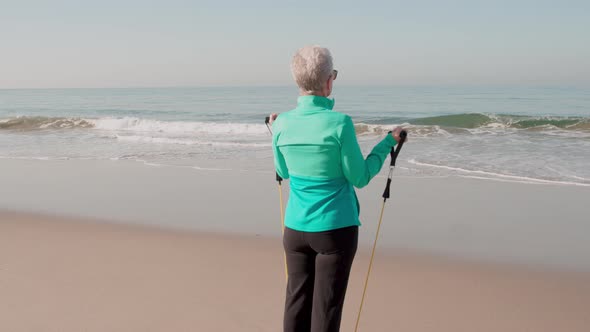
(121, 43)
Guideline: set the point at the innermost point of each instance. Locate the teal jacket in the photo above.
(316, 148)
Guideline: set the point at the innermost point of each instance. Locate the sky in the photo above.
(123, 43)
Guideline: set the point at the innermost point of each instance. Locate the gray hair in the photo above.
(311, 68)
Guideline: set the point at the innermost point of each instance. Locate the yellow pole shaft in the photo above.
(358, 318)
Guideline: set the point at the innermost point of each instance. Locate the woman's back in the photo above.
(309, 138)
(317, 149)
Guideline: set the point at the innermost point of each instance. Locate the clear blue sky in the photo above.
(120, 43)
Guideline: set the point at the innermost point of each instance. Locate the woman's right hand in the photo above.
(396, 134)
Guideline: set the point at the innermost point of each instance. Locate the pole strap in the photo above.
(394, 153)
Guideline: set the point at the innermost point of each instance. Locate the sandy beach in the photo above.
(122, 246)
(60, 274)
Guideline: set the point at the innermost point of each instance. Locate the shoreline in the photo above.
(205, 165)
(464, 218)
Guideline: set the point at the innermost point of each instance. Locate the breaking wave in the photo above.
(28, 123)
(427, 126)
(476, 123)
(130, 124)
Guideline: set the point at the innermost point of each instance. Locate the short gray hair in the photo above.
(311, 68)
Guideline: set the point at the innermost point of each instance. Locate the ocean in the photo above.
(515, 134)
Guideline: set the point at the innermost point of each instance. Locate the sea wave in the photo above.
(27, 123)
(476, 123)
(131, 124)
(479, 120)
(445, 125)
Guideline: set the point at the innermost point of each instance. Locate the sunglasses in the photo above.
(334, 74)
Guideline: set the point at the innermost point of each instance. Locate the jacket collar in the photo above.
(315, 101)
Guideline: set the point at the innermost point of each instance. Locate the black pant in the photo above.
(319, 265)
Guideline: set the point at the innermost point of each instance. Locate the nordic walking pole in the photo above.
(385, 196)
(279, 182)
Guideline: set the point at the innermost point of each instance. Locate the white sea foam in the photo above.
(567, 174)
(495, 176)
(184, 141)
(41, 158)
(176, 127)
(211, 169)
(364, 129)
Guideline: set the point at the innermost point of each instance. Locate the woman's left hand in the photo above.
(272, 118)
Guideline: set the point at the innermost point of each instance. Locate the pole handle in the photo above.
(394, 152)
(267, 121)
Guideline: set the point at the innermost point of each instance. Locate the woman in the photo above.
(316, 148)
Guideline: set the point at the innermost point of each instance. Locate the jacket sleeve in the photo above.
(279, 159)
(358, 170)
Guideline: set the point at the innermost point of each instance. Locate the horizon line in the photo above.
(538, 85)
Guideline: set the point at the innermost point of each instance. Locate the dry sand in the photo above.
(60, 274)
